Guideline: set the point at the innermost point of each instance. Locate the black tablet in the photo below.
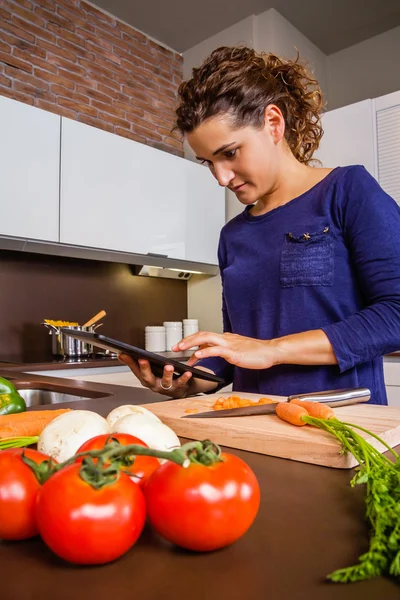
(156, 361)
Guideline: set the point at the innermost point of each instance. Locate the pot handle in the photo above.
(96, 326)
(51, 327)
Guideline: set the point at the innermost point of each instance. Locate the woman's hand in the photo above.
(166, 385)
(238, 350)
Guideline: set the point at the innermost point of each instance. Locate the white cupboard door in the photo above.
(118, 194)
(29, 171)
(349, 137)
(205, 213)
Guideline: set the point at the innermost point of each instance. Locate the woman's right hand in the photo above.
(166, 385)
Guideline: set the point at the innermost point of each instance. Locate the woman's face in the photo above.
(245, 160)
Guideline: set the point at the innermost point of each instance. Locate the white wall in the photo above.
(365, 70)
(274, 33)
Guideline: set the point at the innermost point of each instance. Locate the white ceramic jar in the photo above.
(154, 338)
(173, 333)
(190, 326)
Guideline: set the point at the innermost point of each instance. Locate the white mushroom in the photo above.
(62, 437)
(128, 409)
(155, 434)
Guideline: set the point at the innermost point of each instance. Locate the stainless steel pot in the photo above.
(64, 345)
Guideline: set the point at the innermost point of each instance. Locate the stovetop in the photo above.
(43, 358)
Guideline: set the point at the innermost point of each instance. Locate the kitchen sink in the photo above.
(38, 394)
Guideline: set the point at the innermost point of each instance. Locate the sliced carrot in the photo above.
(236, 402)
(266, 401)
(28, 423)
(191, 411)
(287, 411)
(315, 409)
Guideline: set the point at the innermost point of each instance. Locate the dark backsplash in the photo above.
(34, 287)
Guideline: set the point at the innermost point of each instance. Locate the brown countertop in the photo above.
(310, 522)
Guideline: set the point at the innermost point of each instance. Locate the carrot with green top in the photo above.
(291, 413)
(315, 409)
(27, 424)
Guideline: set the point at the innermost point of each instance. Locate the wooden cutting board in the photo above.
(267, 434)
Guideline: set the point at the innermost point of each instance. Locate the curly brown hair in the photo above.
(241, 83)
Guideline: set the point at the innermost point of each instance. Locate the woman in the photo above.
(311, 268)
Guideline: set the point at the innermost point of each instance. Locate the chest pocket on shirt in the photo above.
(307, 258)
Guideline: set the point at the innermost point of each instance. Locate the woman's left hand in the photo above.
(238, 350)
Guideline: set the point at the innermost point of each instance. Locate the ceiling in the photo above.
(330, 24)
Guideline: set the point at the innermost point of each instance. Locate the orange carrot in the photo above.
(236, 402)
(315, 409)
(287, 411)
(29, 423)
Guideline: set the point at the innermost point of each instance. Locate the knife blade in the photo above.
(333, 398)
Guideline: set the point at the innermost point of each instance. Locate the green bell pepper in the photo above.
(10, 400)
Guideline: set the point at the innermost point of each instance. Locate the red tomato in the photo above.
(87, 526)
(143, 466)
(203, 508)
(18, 491)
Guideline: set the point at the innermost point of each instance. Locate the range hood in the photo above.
(154, 265)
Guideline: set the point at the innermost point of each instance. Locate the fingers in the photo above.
(166, 385)
(222, 351)
(201, 338)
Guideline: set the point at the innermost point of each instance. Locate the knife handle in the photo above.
(333, 398)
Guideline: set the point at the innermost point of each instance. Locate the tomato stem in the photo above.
(102, 467)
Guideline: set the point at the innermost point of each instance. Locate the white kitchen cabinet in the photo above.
(391, 367)
(29, 171)
(388, 143)
(118, 194)
(349, 137)
(205, 213)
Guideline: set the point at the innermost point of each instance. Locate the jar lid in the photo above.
(155, 328)
(172, 323)
(190, 321)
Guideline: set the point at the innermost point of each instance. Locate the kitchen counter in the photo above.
(310, 522)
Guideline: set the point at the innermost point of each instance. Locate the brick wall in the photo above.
(70, 58)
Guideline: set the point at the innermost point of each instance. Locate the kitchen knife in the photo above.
(333, 398)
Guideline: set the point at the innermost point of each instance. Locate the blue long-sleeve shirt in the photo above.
(328, 259)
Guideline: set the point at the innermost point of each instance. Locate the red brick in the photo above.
(130, 135)
(72, 37)
(4, 81)
(95, 69)
(96, 123)
(5, 48)
(111, 33)
(33, 29)
(35, 91)
(114, 120)
(99, 15)
(27, 15)
(131, 32)
(56, 108)
(53, 49)
(98, 96)
(13, 61)
(30, 79)
(112, 92)
(15, 95)
(80, 108)
(68, 65)
(102, 62)
(102, 52)
(48, 4)
(56, 79)
(109, 108)
(129, 108)
(78, 50)
(58, 23)
(60, 90)
(74, 7)
(41, 63)
(77, 79)
(107, 82)
(94, 38)
(17, 31)
(4, 14)
(146, 132)
(77, 19)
